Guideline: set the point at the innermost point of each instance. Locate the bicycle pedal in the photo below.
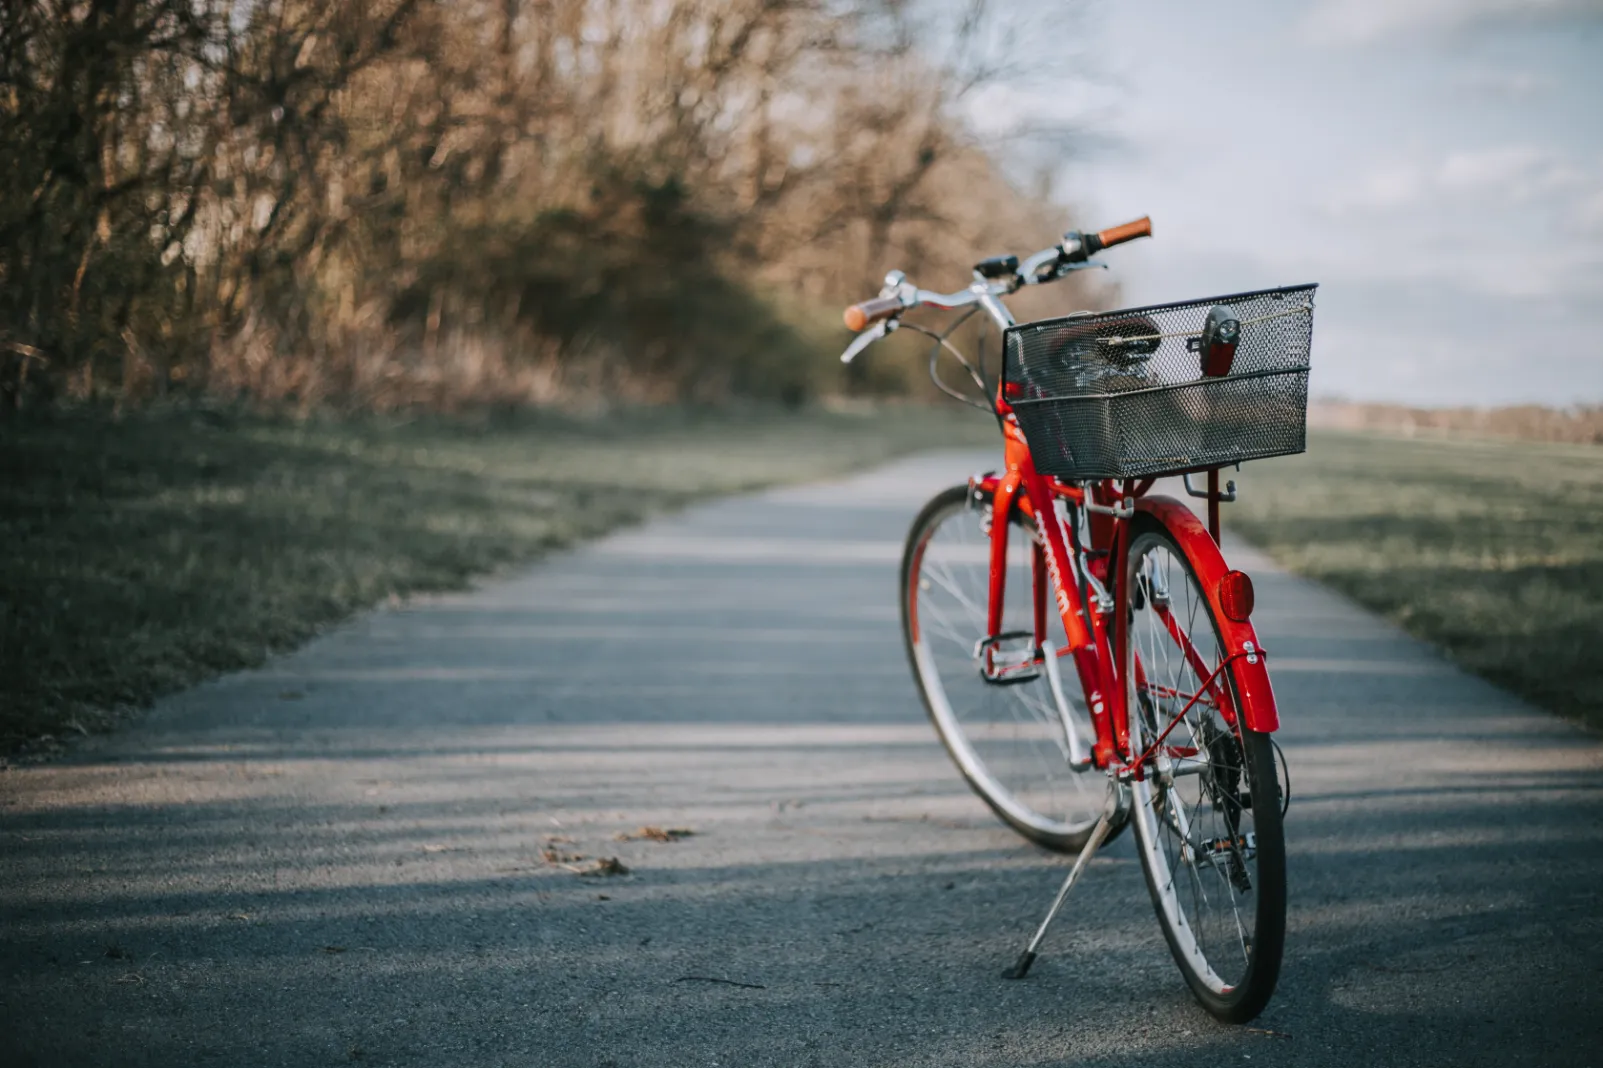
(1014, 678)
(1234, 854)
(1008, 667)
(1219, 847)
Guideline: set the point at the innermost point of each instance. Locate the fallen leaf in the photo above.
(656, 834)
(556, 856)
(605, 866)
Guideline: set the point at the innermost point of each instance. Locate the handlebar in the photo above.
(1118, 235)
(871, 311)
(1048, 265)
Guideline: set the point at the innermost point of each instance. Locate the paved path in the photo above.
(339, 859)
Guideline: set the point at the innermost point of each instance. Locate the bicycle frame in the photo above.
(1095, 653)
(1084, 599)
(1096, 558)
(1106, 510)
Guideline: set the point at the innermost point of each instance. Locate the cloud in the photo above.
(1392, 185)
(1511, 221)
(1589, 213)
(1517, 174)
(1368, 21)
(1507, 83)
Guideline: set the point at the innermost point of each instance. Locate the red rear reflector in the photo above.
(1012, 390)
(1235, 595)
(1217, 358)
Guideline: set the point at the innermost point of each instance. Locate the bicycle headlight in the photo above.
(1221, 333)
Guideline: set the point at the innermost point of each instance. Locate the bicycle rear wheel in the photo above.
(1208, 816)
(1005, 735)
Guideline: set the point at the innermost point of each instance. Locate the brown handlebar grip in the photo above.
(871, 311)
(1117, 235)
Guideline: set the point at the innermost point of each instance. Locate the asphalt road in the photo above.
(344, 858)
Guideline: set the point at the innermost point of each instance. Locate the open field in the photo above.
(1576, 425)
(1491, 549)
(145, 554)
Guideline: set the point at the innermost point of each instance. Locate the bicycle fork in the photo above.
(1115, 808)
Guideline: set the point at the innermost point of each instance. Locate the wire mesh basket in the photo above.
(1143, 392)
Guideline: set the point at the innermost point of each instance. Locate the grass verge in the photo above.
(145, 554)
(1493, 550)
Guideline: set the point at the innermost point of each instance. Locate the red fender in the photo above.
(1249, 670)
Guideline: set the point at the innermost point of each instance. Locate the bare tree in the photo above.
(382, 202)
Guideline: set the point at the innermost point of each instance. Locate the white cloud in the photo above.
(1507, 83)
(1477, 169)
(1505, 174)
(1367, 21)
(1389, 186)
(1589, 212)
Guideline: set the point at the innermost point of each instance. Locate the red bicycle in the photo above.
(1170, 725)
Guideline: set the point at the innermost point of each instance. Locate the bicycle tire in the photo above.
(1006, 740)
(1227, 846)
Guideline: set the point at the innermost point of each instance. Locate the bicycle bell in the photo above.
(1221, 333)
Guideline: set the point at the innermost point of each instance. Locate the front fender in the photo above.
(1250, 671)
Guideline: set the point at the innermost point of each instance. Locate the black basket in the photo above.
(1122, 394)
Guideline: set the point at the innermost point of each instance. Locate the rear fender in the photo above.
(1249, 670)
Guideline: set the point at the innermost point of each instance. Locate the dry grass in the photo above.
(401, 202)
(1580, 425)
(1491, 549)
(145, 554)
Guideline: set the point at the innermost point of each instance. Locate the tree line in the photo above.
(388, 203)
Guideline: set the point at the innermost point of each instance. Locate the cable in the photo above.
(935, 355)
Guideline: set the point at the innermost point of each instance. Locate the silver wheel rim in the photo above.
(1007, 740)
(1210, 919)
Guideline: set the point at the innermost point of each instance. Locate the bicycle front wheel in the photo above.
(1002, 728)
(1207, 813)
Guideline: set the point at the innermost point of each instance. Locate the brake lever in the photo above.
(1067, 268)
(1049, 266)
(868, 337)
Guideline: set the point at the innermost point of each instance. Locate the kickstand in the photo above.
(1113, 809)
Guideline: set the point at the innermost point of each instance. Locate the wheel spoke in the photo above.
(1215, 910)
(943, 577)
(1008, 739)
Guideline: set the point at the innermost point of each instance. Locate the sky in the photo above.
(1436, 165)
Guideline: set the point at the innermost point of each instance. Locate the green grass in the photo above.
(145, 554)
(1491, 549)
